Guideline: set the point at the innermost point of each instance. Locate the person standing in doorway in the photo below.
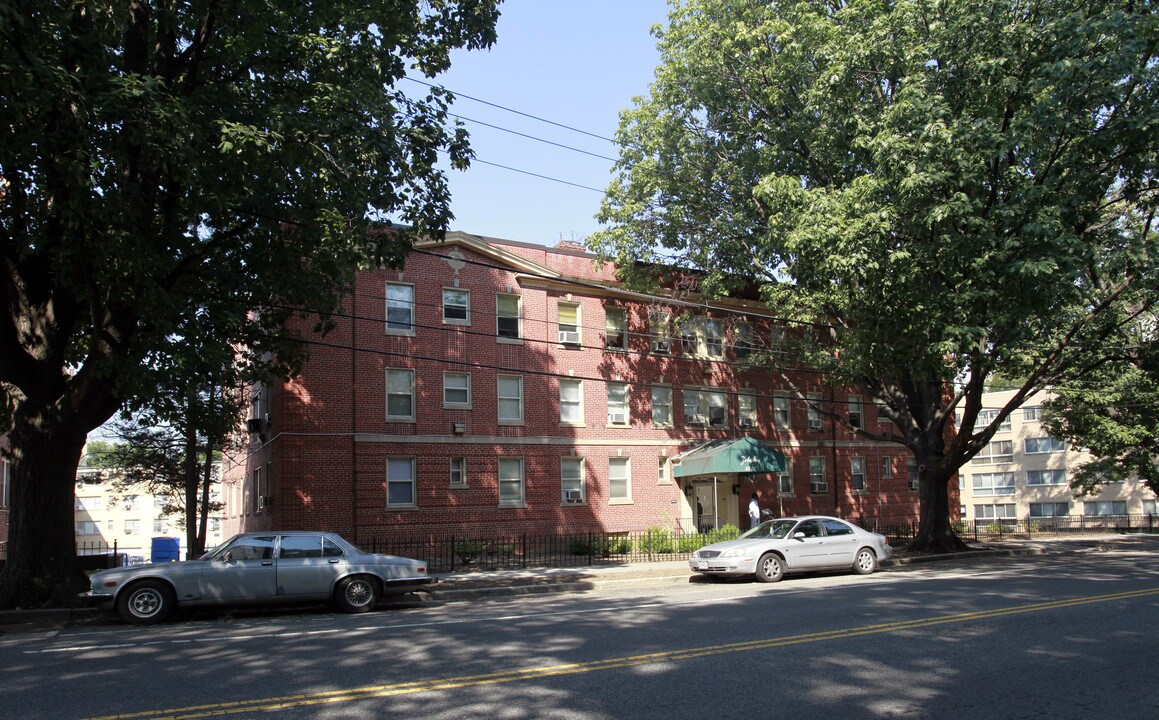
(755, 510)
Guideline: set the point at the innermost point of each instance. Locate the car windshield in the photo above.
(775, 529)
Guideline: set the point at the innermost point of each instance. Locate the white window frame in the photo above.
(992, 484)
(570, 333)
(998, 511)
(1032, 413)
(886, 466)
(504, 314)
(913, 480)
(996, 452)
(458, 472)
(818, 477)
(659, 336)
(663, 470)
(506, 398)
(1050, 476)
(449, 387)
(615, 331)
(571, 386)
(746, 409)
(986, 416)
(662, 402)
(619, 413)
(742, 346)
(856, 411)
(785, 480)
(713, 338)
(512, 483)
(393, 389)
(406, 467)
(782, 412)
(815, 416)
(398, 304)
(619, 480)
(691, 334)
(450, 294)
(1037, 507)
(858, 478)
(1043, 445)
(1099, 508)
(573, 488)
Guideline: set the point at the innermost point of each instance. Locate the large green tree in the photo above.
(932, 187)
(192, 167)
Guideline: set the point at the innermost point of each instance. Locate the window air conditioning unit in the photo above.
(815, 423)
(569, 337)
(254, 425)
(573, 496)
(661, 346)
(265, 501)
(747, 422)
(693, 420)
(618, 418)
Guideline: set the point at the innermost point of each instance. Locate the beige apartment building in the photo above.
(1024, 474)
(108, 519)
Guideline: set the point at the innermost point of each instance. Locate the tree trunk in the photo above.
(42, 568)
(935, 533)
(192, 480)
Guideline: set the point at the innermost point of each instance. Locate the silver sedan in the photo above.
(786, 545)
(259, 568)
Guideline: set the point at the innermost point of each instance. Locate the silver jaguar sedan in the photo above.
(788, 545)
(274, 568)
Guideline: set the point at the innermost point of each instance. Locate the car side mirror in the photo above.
(798, 536)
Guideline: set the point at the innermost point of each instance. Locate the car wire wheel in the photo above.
(357, 594)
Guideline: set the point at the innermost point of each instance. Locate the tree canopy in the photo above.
(177, 180)
(937, 186)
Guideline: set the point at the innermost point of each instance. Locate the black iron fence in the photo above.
(1060, 526)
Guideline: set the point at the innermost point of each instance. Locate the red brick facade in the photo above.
(331, 451)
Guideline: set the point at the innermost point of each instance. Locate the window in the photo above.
(298, 547)
(90, 503)
(1046, 477)
(742, 347)
(617, 404)
(662, 474)
(1051, 509)
(619, 480)
(458, 472)
(746, 409)
(400, 309)
(994, 512)
(511, 482)
(131, 502)
(88, 527)
(814, 411)
(160, 527)
(257, 491)
(569, 324)
(985, 417)
(785, 479)
(782, 414)
(572, 480)
(1032, 413)
(400, 482)
(615, 328)
(659, 340)
(857, 474)
(705, 407)
(688, 336)
(912, 478)
(713, 338)
(818, 482)
(1038, 445)
(400, 394)
(856, 411)
(886, 467)
(510, 399)
(1150, 507)
(456, 306)
(132, 527)
(508, 316)
(571, 406)
(457, 390)
(1105, 507)
(997, 483)
(996, 451)
(777, 336)
(661, 406)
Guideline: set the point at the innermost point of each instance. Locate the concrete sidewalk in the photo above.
(495, 583)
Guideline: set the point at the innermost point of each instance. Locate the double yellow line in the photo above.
(418, 686)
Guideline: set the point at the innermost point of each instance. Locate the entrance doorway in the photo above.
(713, 504)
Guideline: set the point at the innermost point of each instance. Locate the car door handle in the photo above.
(267, 563)
(333, 562)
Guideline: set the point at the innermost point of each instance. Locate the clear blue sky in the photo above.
(573, 62)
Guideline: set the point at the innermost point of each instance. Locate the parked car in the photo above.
(789, 545)
(271, 568)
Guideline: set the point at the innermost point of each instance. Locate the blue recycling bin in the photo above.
(166, 549)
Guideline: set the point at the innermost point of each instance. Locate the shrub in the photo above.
(656, 540)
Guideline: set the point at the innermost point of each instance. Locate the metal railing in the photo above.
(1058, 526)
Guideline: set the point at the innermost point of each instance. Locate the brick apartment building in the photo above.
(492, 386)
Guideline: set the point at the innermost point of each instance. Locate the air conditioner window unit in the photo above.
(617, 418)
(815, 423)
(569, 337)
(747, 422)
(661, 346)
(573, 496)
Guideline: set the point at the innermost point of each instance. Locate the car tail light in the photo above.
(421, 570)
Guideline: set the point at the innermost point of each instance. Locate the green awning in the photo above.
(740, 455)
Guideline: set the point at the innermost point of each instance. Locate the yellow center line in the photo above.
(418, 686)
